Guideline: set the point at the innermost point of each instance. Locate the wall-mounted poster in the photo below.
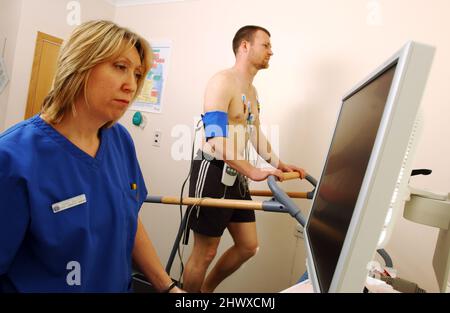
(151, 97)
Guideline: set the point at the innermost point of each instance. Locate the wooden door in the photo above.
(44, 68)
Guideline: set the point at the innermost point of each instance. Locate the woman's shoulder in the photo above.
(118, 130)
(120, 136)
(19, 135)
(18, 146)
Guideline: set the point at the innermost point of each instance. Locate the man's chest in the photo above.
(243, 107)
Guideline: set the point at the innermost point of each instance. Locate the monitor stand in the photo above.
(432, 209)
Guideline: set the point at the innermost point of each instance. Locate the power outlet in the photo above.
(298, 231)
(157, 138)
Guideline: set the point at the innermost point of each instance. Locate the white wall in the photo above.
(9, 26)
(48, 16)
(321, 49)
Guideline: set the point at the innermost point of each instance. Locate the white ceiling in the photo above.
(125, 3)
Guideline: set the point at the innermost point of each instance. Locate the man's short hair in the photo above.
(246, 33)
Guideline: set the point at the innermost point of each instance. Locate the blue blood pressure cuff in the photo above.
(215, 124)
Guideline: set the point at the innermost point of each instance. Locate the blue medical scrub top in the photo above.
(84, 248)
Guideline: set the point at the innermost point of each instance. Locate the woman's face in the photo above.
(112, 85)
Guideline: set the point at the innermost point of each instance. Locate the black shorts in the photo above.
(206, 181)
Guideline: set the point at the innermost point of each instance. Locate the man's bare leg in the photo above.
(203, 253)
(245, 246)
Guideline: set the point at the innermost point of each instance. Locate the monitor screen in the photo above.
(344, 172)
(361, 170)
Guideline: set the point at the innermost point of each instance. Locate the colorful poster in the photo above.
(151, 96)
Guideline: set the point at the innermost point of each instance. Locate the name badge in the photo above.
(69, 203)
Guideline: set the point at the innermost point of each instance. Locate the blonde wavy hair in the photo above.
(91, 43)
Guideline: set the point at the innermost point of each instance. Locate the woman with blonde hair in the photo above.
(70, 183)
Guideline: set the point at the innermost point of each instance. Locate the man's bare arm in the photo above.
(218, 96)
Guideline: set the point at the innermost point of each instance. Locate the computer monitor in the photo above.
(361, 170)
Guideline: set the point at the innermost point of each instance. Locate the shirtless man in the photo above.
(231, 118)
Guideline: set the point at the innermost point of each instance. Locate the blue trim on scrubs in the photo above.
(40, 167)
(215, 124)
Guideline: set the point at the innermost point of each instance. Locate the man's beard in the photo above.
(263, 65)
